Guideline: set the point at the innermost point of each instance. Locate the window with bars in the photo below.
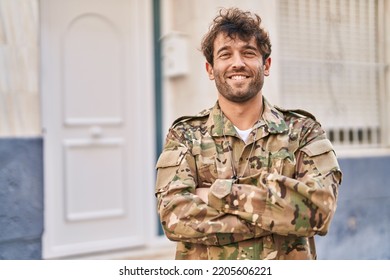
(331, 64)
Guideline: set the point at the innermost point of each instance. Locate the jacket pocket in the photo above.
(282, 162)
(167, 165)
(205, 164)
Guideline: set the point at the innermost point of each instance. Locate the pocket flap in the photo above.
(221, 187)
(318, 147)
(169, 158)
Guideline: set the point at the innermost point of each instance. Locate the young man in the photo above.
(245, 179)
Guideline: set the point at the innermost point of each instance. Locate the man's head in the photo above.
(236, 24)
(237, 52)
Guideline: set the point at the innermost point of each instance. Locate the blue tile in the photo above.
(364, 177)
(21, 194)
(21, 249)
(359, 231)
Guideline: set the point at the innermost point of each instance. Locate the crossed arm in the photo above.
(278, 204)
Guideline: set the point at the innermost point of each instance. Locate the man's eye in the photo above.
(224, 55)
(250, 53)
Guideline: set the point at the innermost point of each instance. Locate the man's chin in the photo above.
(241, 98)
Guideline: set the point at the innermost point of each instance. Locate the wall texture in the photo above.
(361, 226)
(19, 69)
(21, 198)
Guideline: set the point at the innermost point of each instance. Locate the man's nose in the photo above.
(238, 61)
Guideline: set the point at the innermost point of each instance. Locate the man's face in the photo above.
(238, 68)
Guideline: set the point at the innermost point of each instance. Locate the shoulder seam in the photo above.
(298, 112)
(181, 119)
(202, 114)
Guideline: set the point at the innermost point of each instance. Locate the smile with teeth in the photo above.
(238, 77)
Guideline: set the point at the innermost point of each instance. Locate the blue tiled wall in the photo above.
(21, 198)
(361, 226)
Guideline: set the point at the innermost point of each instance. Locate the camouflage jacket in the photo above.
(287, 194)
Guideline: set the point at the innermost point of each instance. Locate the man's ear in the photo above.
(210, 71)
(267, 66)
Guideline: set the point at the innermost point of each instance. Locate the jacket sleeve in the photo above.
(184, 216)
(303, 204)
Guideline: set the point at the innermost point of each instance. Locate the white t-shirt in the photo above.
(243, 133)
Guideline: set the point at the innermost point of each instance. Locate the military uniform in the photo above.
(286, 191)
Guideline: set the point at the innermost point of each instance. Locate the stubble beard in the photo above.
(239, 95)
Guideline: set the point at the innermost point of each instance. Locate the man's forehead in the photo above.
(224, 40)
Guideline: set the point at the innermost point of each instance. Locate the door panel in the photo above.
(94, 180)
(95, 44)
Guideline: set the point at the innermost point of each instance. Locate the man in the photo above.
(245, 179)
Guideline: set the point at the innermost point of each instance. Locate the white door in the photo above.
(97, 111)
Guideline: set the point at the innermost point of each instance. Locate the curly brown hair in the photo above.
(235, 22)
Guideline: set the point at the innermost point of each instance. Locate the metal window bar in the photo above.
(361, 137)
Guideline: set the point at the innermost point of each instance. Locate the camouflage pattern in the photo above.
(287, 194)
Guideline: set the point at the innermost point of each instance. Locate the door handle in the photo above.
(96, 131)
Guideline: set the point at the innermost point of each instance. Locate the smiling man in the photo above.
(245, 179)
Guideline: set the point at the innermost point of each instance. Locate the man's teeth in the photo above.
(238, 77)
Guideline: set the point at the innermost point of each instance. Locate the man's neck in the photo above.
(242, 115)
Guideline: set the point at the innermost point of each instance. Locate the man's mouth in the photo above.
(238, 77)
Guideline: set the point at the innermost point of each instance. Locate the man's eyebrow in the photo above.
(250, 47)
(245, 47)
(224, 48)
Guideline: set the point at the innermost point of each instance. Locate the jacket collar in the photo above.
(271, 122)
